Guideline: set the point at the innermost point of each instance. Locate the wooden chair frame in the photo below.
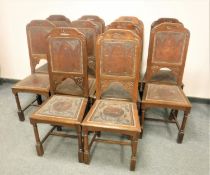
(37, 31)
(57, 76)
(129, 82)
(176, 65)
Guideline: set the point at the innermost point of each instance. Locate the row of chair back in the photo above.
(37, 34)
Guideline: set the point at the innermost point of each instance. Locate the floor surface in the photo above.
(158, 152)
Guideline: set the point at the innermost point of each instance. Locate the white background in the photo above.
(194, 14)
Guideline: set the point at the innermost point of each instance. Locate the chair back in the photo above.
(165, 20)
(37, 33)
(117, 64)
(135, 21)
(125, 25)
(59, 20)
(96, 19)
(68, 62)
(167, 51)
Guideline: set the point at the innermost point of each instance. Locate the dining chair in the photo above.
(167, 51)
(38, 81)
(66, 107)
(117, 73)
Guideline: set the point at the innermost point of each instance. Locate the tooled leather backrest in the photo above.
(59, 20)
(167, 50)
(95, 19)
(117, 64)
(37, 33)
(68, 62)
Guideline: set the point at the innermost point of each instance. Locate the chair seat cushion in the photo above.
(167, 95)
(62, 109)
(35, 82)
(113, 114)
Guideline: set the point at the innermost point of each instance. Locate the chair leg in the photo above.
(134, 143)
(86, 148)
(39, 99)
(80, 145)
(20, 111)
(173, 113)
(59, 128)
(98, 133)
(181, 130)
(142, 122)
(39, 147)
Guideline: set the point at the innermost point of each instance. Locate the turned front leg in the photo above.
(20, 111)
(39, 147)
(86, 148)
(134, 143)
(173, 114)
(39, 99)
(182, 128)
(80, 144)
(142, 122)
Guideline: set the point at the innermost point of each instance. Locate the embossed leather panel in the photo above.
(66, 55)
(113, 53)
(168, 47)
(62, 106)
(113, 112)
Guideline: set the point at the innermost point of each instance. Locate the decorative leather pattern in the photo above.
(113, 53)
(161, 92)
(168, 47)
(113, 112)
(62, 106)
(66, 55)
